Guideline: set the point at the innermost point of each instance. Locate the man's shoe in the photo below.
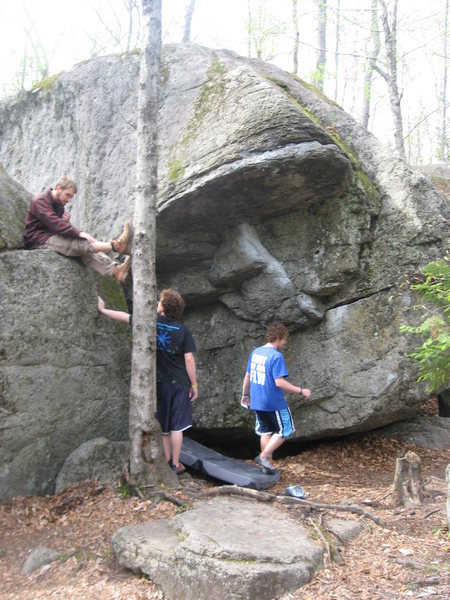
(265, 464)
(122, 273)
(122, 245)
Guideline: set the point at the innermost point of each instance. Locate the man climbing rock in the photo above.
(47, 226)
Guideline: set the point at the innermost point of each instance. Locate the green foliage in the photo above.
(46, 83)
(433, 356)
(125, 491)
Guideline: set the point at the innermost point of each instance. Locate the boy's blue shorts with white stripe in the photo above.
(274, 422)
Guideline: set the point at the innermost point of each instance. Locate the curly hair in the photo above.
(172, 304)
(276, 331)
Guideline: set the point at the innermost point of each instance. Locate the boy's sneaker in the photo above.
(265, 464)
(178, 468)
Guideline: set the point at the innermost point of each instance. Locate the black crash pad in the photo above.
(199, 457)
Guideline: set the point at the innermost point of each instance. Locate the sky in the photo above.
(70, 30)
(68, 27)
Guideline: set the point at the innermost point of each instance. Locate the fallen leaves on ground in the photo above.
(409, 558)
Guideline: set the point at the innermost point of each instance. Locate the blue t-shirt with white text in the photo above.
(266, 364)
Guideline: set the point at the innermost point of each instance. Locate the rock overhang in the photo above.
(261, 185)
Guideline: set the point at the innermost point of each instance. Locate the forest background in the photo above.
(384, 61)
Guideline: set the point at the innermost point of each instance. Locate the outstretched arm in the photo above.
(117, 315)
(282, 383)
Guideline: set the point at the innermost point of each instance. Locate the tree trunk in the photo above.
(408, 488)
(249, 29)
(188, 21)
(321, 44)
(367, 91)
(390, 41)
(336, 48)
(296, 35)
(443, 149)
(147, 461)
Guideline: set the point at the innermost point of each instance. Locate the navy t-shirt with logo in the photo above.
(173, 341)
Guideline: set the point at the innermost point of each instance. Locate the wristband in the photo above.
(301, 392)
(245, 395)
(194, 385)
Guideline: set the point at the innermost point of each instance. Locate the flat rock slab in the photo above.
(222, 548)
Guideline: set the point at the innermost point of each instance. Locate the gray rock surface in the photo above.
(343, 530)
(39, 557)
(273, 204)
(13, 205)
(223, 548)
(426, 431)
(99, 459)
(64, 368)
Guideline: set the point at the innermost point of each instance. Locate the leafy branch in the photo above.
(433, 356)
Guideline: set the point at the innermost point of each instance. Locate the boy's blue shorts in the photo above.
(274, 422)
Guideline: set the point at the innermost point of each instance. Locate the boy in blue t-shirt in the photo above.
(262, 391)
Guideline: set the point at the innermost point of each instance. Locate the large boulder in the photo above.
(14, 200)
(273, 204)
(64, 368)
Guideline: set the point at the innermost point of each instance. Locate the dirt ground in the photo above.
(408, 558)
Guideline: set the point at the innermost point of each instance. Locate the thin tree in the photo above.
(188, 21)
(372, 62)
(262, 29)
(443, 145)
(336, 48)
(319, 74)
(296, 35)
(113, 19)
(132, 8)
(390, 74)
(147, 462)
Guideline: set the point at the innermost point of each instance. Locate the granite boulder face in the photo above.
(64, 368)
(273, 204)
(14, 200)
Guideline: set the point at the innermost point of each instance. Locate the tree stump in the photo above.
(408, 488)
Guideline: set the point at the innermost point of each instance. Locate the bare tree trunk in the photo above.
(146, 455)
(249, 29)
(131, 5)
(321, 44)
(336, 48)
(408, 488)
(188, 21)
(390, 76)
(443, 149)
(367, 91)
(38, 60)
(296, 35)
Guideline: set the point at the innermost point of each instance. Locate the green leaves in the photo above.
(433, 356)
